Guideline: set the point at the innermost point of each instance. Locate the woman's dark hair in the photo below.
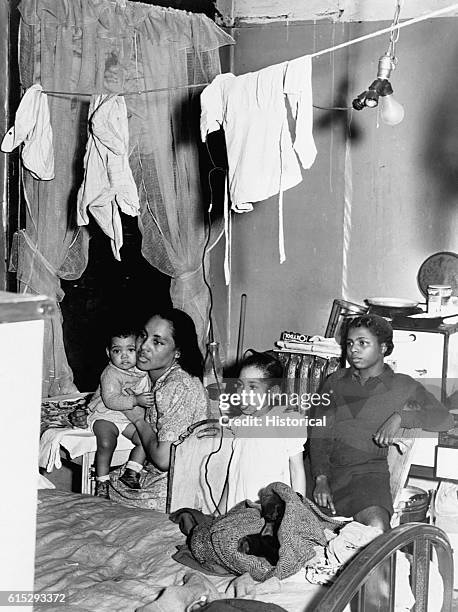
(378, 326)
(185, 338)
(266, 362)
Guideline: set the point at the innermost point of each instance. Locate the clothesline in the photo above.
(354, 41)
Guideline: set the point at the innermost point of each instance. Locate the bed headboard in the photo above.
(421, 540)
(198, 464)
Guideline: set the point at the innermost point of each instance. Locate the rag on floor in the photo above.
(32, 126)
(108, 185)
(215, 543)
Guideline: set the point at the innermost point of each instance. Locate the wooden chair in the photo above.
(399, 465)
(205, 450)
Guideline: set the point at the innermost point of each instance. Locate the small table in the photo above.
(79, 447)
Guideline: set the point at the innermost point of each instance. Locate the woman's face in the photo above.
(156, 349)
(364, 351)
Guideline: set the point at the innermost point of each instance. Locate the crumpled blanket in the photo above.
(215, 543)
(108, 183)
(32, 126)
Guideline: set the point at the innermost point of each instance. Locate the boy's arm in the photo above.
(297, 473)
(322, 438)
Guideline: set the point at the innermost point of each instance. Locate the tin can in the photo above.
(438, 297)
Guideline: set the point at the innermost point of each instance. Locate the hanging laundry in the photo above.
(252, 111)
(108, 183)
(32, 127)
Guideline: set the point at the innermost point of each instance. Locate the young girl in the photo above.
(264, 452)
(122, 387)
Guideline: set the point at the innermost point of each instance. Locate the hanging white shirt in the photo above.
(108, 184)
(251, 109)
(32, 127)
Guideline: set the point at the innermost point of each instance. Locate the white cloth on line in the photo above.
(76, 441)
(108, 183)
(32, 126)
(252, 111)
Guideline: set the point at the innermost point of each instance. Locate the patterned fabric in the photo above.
(301, 529)
(180, 401)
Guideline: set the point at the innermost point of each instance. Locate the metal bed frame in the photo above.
(350, 585)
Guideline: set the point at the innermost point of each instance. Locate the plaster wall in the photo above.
(336, 10)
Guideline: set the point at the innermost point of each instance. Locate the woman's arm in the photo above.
(297, 473)
(157, 452)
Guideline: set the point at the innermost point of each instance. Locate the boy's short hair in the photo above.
(119, 332)
(377, 325)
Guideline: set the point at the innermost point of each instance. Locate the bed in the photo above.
(104, 556)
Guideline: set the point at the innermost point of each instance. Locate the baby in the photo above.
(122, 386)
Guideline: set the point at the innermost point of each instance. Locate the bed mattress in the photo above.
(104, 556)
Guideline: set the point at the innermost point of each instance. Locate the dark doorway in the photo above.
(109, 293)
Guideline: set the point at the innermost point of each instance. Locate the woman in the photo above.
(167, 349)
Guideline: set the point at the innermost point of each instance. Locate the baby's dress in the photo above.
(115, 382)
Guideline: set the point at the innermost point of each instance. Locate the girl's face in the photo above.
(254, 387)
(364, 351)
(156, 349)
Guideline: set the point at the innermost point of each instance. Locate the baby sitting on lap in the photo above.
(122, 386)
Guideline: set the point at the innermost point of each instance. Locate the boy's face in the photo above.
(122, 352)
(364, 351)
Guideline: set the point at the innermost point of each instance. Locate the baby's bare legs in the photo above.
(106, 433)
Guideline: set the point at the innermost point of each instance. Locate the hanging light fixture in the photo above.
(380, 91)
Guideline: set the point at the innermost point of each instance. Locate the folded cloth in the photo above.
(302, 527)
(351, 538)
(316, 348)
(49, 452)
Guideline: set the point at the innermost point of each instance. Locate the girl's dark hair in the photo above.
(185, 338)
(378, 326)
(266, 362)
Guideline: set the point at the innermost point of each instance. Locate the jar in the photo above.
(438, 297)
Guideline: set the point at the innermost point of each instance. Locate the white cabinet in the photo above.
(429, 356)
(21, 341)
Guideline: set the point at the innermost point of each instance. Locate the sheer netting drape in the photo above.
(97, 46)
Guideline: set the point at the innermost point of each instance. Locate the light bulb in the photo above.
(391, 111)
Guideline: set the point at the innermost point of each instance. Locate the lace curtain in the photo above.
(87, 46)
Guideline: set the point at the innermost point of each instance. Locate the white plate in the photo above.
(389, 302)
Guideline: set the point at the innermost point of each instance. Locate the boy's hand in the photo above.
(385, 434)
(146, 400)
(322, 494)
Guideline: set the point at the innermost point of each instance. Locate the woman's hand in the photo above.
(135, 415)
(322, 493)
(385, 434)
